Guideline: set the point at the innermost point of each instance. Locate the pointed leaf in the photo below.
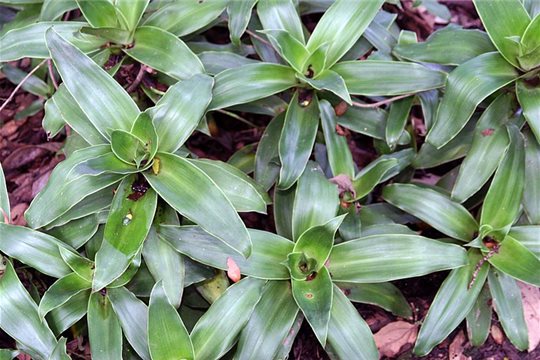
(339, 154)
(164, 52)
(281, 15)
(527, 269)
(331, 81)
(531, 190)
(529, 99)
(61, 292)
(289, 48)
(132, 11)
(267, 156)
(127, 147)
(434, 208)
(182, 184)
(397, 119)
(52, 10)
(218, 329)
(468, 85)
(65, 316)
(479, 318)
(5, 212)
(527, 236)
(104, 331)
(239, 15)
(103, 100)
(99, 13)
(373, 174)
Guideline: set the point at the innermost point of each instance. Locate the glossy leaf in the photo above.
(128, 224)
(218, 329)
(131, 11)
(127, 147)
(397, 119)
(104, 331)
(182, 184)
(314, 298)
(244, 193)
(339, 154)
(250, 82)
(307, 213)
(489, 145)
(269, 251)
(331, 81)
(164, 52)
(239, 14)
(16, 304)
(52, 10)
(99, 13)
(281, 15)
(133, 317)
(509, 308)
(271, 320)
(527, 236)
(63, 317)
(341, 26)
(531, 190)
(527, 269)
(503, 199)
(167, 334)
(297, 139)
(4, 198)
(33, 84)
(479, 318)
(349, 337)
(504, 19)
(81, 266)
(467, 86)
(283, 211)
(376, 77)
(373, 174)
(102, 99)
(434, 208)
(528, 97)
(61, 291)
(267, 156)
(448, 46)
(453, 302)
(529, 47)
(384, 295)
(289, 48)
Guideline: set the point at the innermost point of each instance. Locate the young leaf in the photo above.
(129, 221)
(468, 85)
(167, 334)
(454, 300)
(527, 269)
(127, 147)
(99, 13)
(297, 138)
(328, 80)
(107, 105)
(182, 185)
(289, 48)
(529, 52)
(436, 209)
(164, 52)
(314, 298)
(281, 15)
(104, 331)
(131, 11)
(218, 329)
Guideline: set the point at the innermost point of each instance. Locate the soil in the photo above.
(28, 157)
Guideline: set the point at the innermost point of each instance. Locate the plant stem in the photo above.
(19, 85)
(380, 103)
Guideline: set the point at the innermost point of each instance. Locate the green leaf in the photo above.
(82, 266)
(379, 77)
(99, 13)
(370, 176)
(527, 269)
(250, 82)
(269, 251)
(34, 249)
(33, 84)
(489, 145)
(349, 337)
(387, 257)
(52, 10)
(16, 304)
(185, 17)
(239, 14)
(504, 19)
(289, 48)
(102, 99)
(60, 351)
(503, 199)
(29, 41)
(164, 52)
(127, 147)
(527, 236)
(339, 154)
(453, 302)
(129, 221)
(217, 61)
(468, 85)
(242, 191)
(341, 26)
(331, 81)
(62, 291)
(133, 317)
(281, 15)
(112, 34)
(297, 138)
(397, 119)
(267, 156)
(65, 316)
(509, 308)
(528, 97)
(434, 208)
(182, 185)
(177, 114)
(316, 242)
(448, 46)
(307, 213)
(384, 295)
(283, 211)
(167, 334)
(4, 198)
(143, 128)
(104, 331)
(271, 320)
(218, 329)
(529, 47)
(479, 318)
(132, 11)
(53, 121)
(314, 298)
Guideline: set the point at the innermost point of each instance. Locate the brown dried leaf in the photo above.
(455, 350)
(497, 334)
(344, 183)
(531, 308)
(394, 336)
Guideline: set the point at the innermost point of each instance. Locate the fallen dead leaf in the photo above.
(344, 184)
(233, 271)
(394, 336)
(497, 334)
(17, 214)
(531, 308)
(455, 350)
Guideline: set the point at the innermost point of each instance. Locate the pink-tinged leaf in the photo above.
(531, 309)
(456, 348)
(233, 271)
(6, 219)
(394, 336)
